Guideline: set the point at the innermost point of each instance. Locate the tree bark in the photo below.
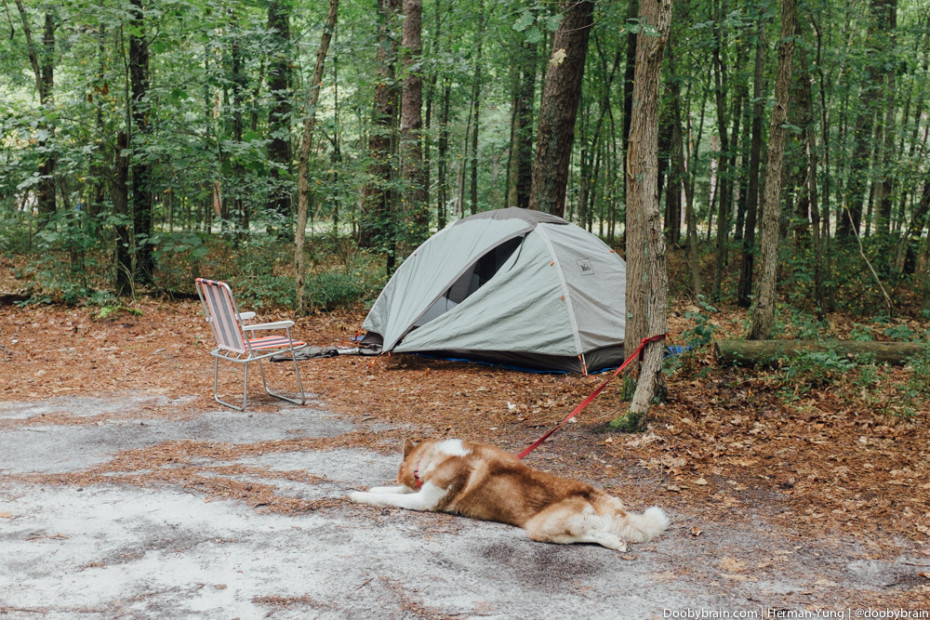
(119, 193)
(442, 154)
(744, 288)
(884, 185)
(724, 173)
(476, 112)
(762, 352)
(279, 117)
(647, 280)
(42, 61)
(522, 131)
(763, 318)
(871, 97)
(559, 106)
(303, 167)
(141, 169)
(416, 209)
(377, 227)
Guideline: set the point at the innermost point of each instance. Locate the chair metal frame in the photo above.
(236, 343)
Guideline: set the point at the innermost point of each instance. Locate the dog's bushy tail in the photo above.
(643, 527)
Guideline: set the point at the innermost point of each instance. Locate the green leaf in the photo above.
(525, 20)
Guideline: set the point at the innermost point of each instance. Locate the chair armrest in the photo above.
(275, 325)
(246, 317)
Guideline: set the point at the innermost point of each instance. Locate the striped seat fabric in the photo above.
(236, 341)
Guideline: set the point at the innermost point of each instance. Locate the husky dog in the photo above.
(481, 481)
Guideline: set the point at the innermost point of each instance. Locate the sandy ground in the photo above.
(164, 542)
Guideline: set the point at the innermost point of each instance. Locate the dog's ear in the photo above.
(409, 445)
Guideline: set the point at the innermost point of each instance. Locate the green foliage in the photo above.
(861, 333)
(110, 311)
(792, 322)
(696, 339)
(861, 384)
(628, 423)
(702, 333)
(916, 389)
(816, 369)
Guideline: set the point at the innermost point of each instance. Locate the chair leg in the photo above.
(297, 401)
(216, 370)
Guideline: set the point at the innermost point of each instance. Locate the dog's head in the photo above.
(408, 474)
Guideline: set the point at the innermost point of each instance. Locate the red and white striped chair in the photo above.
(236, 341)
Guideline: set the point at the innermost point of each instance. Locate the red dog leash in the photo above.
(640, 351)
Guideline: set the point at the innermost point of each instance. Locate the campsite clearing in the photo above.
(124, 467)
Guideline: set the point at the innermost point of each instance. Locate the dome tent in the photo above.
(512, 286)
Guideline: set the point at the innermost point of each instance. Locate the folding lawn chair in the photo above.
(236, 342)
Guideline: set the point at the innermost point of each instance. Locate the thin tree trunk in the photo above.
(279, 117)
(141, 170)
(763, 318)
(239, 82)
(42, 60)
(724, 172)
(872, 95)
(632, 10)
(523, 125)
(413, 172)
(303, 167)
(744, 288)
(884, 185)
(119, 192)
(442, 165)
(476, 113)
(377, 227)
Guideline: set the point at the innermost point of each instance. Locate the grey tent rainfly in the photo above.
(511, 286)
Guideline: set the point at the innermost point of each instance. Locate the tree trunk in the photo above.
(724, 173)
(442, 154)
(632, 10)
(763, 352)
(647, 280)
(42, 61)
(763, 319)
(884, 185)
(416, 209)
(141, 169)
(476, 112)
(377, 226)
(871, 96)
(811, 180)
(119, 193)
(239, 81)
(744, 288)
(522, 146)
(303, 167)
(559, 106)
(279, 117)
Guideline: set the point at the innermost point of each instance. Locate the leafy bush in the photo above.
(811, 370)
(696, 339)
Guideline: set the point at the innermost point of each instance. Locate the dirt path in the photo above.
(150, 506)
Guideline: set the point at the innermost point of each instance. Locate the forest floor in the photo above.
(810, 499)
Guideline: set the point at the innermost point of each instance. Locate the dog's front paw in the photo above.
(359, 496)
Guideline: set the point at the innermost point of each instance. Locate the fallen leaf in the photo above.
(732, 565)
(700, 482)
(6, 515)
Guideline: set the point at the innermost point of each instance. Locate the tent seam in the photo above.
(576, 336)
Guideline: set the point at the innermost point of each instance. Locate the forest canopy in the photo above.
(145, 142)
